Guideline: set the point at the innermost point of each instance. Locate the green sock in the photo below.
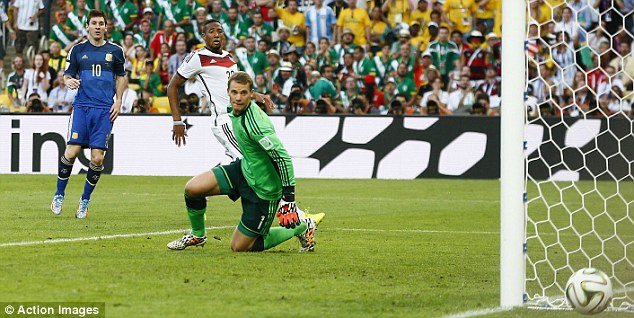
(278, 235)
(197, 220)
(196, 208)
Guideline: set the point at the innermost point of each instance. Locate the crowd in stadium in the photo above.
(339, 56)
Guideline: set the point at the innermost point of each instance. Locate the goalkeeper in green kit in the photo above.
(264, 180)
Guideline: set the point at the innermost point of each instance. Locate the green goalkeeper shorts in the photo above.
(257, 214)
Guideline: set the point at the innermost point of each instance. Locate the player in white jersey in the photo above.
(212, 67)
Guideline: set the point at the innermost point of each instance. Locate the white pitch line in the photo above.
(412, 231)
(115, 236)
(103, 237)
(479, 312)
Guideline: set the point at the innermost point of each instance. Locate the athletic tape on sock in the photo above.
(195, 203)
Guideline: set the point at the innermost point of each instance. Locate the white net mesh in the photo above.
(580, 147)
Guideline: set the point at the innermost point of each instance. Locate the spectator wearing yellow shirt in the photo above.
(437, 5)
(358, 21)
(431, 33)
(421, 14)
(58, 58)
(539, 12)
(459, 13)
(138, 59)
(296, 21)
(486, 13)
(418, 40)
(436, 17)
(377, 29)
(397, 11)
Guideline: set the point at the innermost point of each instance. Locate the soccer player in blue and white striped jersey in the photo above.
(95, 68)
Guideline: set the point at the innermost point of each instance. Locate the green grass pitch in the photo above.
(420, 248)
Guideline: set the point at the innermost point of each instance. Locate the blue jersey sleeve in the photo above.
(119, 61)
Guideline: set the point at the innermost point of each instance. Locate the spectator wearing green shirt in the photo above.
(310, 54)
(328, 72)
(292, 56)
(273, 57)
(403, 56)
(148, 14)
(444, 53)
(362, 66)
(382, 61)
(159, 12)
(235, 31)
(96, 4)
(346, 46)
(252, 61)
(350, 92)
(259, 30)
(389, 93)
(245, 13)
(181, 15)
(76, 20)
(145, 36)
(198, 24)
(15, 81)
(261, 85)
(151, 83)
(217, 12)
(61, 32)
(112, 34)
(405, 83)
(325, 54)
(124, 14)
(320, 87)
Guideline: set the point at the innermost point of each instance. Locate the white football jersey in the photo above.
(212, 71)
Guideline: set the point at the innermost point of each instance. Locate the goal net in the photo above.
(579, 148)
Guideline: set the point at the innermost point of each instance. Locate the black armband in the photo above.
(288, 194)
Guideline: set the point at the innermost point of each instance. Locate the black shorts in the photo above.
(257, 214)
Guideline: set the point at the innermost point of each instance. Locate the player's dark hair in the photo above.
(241, 77)
(210, 21)
(94, 13)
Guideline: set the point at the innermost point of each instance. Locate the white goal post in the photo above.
(567, 161)
(512, 154)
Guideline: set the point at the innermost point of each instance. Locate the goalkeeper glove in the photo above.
(287, 212)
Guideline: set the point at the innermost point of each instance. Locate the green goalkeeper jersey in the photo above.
(266, 165)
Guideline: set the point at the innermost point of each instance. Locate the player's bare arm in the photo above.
(178, 130)
(115, 110)
(71, 82)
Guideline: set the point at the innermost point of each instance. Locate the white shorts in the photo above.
(224, 133)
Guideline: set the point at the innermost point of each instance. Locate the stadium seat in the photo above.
(162, 104)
